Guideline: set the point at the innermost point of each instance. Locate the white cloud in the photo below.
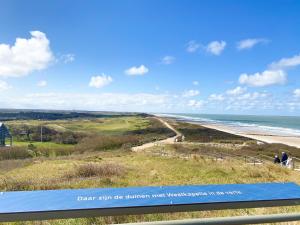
(297, 93)
(251, 96)
(195, 83)
(195, 103)
(100, 81)
(236, 91)
(133, 71)
(216, 47)
(190, 93)
(250, 43)
(4, 85)
(268, 77)
(67, 58)
(216, 97)
(25, 56)
(168, 60)
(286, 62)
(42, 83)
(140, 102)
(192, 46)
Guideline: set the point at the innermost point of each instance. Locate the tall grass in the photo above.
(7, 153)
(96, 170)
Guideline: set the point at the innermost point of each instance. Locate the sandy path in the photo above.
(165, 141)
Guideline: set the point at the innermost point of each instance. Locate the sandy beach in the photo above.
(257, 135)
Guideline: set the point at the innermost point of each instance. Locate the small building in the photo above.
(4, 135)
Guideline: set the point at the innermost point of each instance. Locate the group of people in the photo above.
(284, 161)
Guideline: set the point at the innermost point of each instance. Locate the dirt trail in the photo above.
(170, 140)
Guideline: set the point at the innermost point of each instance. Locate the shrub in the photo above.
(14, 184)
(97, 170)
(48, 152)
(103, 143)
(31, 147)
(14, 153)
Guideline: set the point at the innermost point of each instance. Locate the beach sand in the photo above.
(257, 135)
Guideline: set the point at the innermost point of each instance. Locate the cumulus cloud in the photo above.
(67, 58)
(266, 78)
(134, 71)
(242, 102)
(4, 85)
(296, 93)
(251, 96)
(216, 97)
(190, 93)
(216, 47)
(25, 56)
(195, 104)
(100, 81)
(250, 43)
(192, 46)
(236, 91)
(285, 63)
(42, 83)
(195, 83)
(168, 60)
(139, 102)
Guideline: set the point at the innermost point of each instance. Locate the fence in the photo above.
(62, 204)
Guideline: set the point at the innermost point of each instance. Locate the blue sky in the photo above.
(238, 57)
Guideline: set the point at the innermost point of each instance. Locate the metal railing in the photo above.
(237, 220)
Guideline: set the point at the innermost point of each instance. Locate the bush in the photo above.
(31, 147)
(103, 143)
(14, 153)
(48, 152)
(14, 184)
(96, 170)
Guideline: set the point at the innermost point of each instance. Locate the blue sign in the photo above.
(118, 201)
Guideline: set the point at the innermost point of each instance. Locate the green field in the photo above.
(106, 125)
(65, 137)
(41, 144)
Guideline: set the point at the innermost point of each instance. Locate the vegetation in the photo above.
(56, 115)
(101, 157)
(122, 169)
(197, 133)
(65, 137)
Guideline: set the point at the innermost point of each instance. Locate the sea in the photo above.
(270, 125)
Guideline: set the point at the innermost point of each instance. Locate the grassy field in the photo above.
(65, 137)
(123, 169)
(103, 125)
(102, 158)
(41, 145)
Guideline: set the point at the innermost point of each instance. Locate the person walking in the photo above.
(276, 159)
(290, 163)
(284, 158)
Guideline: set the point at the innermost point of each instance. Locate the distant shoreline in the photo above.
(259, 135)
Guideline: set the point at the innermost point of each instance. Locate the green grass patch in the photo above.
(41, 145)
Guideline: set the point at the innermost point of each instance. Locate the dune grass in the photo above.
(102, 125)
(101, 160)
(124, 169)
